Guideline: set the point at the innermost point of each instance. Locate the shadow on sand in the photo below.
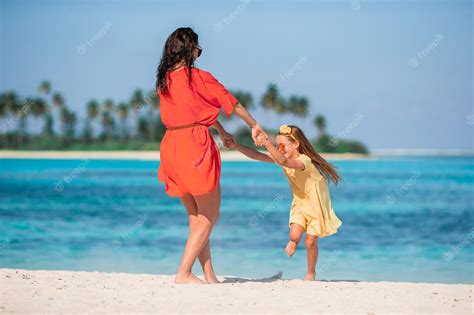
(276, 277)
(241, 280)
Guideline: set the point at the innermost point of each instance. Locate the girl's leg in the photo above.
(311, 243)
(205, 255)
(208, 212)
(296, 231)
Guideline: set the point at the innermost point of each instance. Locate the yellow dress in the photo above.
(311, 207)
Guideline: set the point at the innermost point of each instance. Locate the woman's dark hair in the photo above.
(179, 46)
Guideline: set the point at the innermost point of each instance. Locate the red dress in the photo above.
(190, 161)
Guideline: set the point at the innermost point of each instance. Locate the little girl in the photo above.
(307, 173)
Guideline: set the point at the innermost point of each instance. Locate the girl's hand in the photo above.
(227, 139)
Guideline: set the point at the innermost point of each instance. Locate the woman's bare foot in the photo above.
(310, 276)
(189, 278)
(290, 248)
(211, 278)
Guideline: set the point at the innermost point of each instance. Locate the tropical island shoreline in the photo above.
(61, 291)
(141, 155)
(226, 155)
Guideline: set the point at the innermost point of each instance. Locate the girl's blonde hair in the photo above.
(294, 133)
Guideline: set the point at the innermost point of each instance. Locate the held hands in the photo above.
(227, 139)
(258, 135)
(261, 138)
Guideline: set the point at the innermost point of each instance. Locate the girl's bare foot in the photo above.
(290, 248)
(189, 278)
(310, 276)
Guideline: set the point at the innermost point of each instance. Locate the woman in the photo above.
(190, 165)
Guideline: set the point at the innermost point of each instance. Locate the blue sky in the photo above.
(405, 66)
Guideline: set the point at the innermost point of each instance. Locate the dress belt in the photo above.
(185, 126)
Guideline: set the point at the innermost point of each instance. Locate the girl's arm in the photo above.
(252, 153)
(240, 111)
(280, 159)
(226, 138)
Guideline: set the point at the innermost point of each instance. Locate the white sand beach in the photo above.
(139, 155)
(27, 291)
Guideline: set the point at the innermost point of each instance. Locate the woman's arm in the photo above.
(280, 159)
(242, 112)
(252, 153)
(217, 125)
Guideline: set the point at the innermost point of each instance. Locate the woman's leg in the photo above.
(311, 243)
(205, 255)
(296, 231)
(208, 212)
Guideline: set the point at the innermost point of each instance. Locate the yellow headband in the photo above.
(286, 130)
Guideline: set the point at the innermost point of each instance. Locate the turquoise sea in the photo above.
(404, 219)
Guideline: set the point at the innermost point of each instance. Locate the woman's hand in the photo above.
(257, 131)
(240, 111)
(261, 138)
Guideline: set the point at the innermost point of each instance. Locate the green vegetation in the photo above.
(129, 125)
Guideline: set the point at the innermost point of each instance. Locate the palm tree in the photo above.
(107, 118)
(71, 125)
(137, 100)
(320, 123)
(8, 101)
(38, 106)
(58, 100)
(92, 113)
(48, 128)
(64, 115)
(39, 109)
(122, 109)
(44, 87)
(108, 105)
(136, 103)
(298, 106)
(68, 120)
(3, 106)
(12, 106)
(154, 102)
(271, 99)
(48, 124)
(244, 98)
(11, 101)
(143, 127)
